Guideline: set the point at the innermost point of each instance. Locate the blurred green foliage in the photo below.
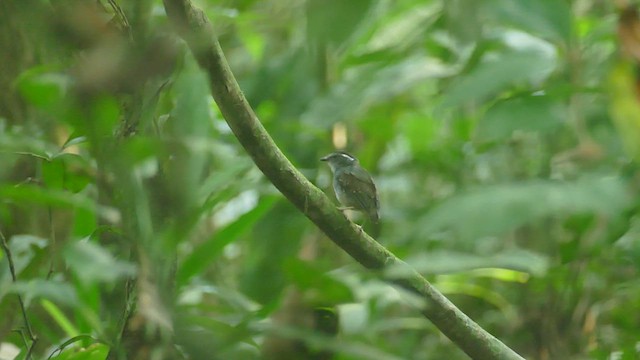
(503, 137)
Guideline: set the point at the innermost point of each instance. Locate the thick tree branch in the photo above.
(194, 27)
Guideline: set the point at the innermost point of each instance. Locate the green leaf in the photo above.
(32, 194)
(548, 18)
(191, 114)
(84, 223)
(92, 263)
(20, 142)
(528, 113)
(494, 210)
(498, 74)
(307, 276)
(43, 88)
(444, 261)
(449, 287)
(56, 291)
(59, 317)
(97, 351)
(72, 340)
(405, 29)
(370, 86)
(66, 171)
(344, 17)
(190, 122)
(422, 132)
(24, 249)
(78, 171)
(208, 251)
(53, 173)
(219, 180)
(139, 149)
(105, 114)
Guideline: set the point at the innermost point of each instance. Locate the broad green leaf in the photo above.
(43, 88)
(494, 210)
(514, 262)
(66, 171)
(59, 317)
(32, 194)
(190, 121)
(220, 179)
(449, 288)
(344, 17)
(548, 18)
(369, 86)
(138, 149)
(84, 223)
(404, 29)
(502, 72)
(203, 335)
(208, 251)
(92, 352)
(306, 276)
(462, 21)
(57, 291)
(92, 263)
(421, 131)
(19, 142)
(191, 115)
(78, 172)
(528, 113)
(74, 339)
(24, 249)
(104, 117)
(53, 173)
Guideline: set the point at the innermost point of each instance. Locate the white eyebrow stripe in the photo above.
(346, 156)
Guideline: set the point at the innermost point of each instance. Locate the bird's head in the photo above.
(339, 159)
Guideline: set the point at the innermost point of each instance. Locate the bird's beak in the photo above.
(325, 158)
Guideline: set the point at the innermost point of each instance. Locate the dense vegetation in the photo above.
(503, 137)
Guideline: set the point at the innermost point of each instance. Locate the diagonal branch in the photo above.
(195, 28)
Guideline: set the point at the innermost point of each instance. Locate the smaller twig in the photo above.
(24, 339)
(119, 16)
(130, 303)
(75, 339)
(52, 234)
(12, 270)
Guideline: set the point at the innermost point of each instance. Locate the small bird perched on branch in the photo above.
(353, 185)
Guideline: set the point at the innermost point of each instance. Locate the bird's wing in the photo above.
(359, 184)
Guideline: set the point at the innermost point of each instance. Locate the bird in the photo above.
(352, 184)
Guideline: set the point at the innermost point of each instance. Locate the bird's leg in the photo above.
(345, 208)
